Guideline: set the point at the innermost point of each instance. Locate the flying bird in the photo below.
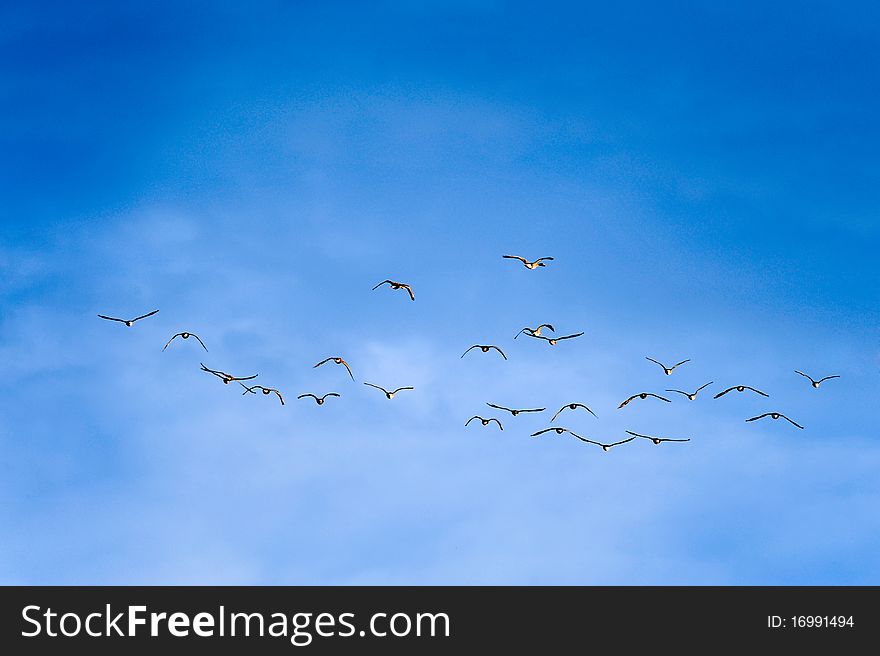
(529, 265)
(605, 447)
(553, 340)
(265, 390)
(667, 370)
(318, 399)
(129, 322)
(740, 388)
(396, 285)
(815, 383)
(485, 422)
(336, 361)
(691, 396)
(535, 332)
(642, 395)
(513, 411)
(658, 440)
(185, 335)
(485, 349)
(388, 394)
(559, 431)
(227, 378)
(775, 415)
(572, 406)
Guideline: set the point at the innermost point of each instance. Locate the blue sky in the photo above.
(705, 177)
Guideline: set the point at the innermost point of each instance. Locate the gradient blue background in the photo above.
(707, 179)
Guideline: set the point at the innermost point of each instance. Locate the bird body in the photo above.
(389, 395)
(776, 415)
(185, 335)
(740, 388)
(129, 322)
(559, 431)
(658, 440)
(513, 411)
(667, 370)
(692, 396)
(642, 395)
(571, 406)
(397, 285)
(318, 399)
(605, 447)
(814, 383)
(265, 390)
(529, 265)
(226, 378)
(485, 348)
(535, 332)
(336, 360)
(553, 340)
(484, 421)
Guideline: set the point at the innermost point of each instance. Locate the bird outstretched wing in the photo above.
(144, 316)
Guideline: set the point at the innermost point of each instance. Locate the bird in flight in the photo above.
(265, 390)
(227, 378)
(396, 285)
(553, 340)
(559, 431)
(740, 388)
(667, 370)
(388, 394)
(572, 406)
(535, 332)
(485, 349)
(129, 322)
(658, 440)
(605, 447)
(318, 399)
(692, 396)
(775, 415)
(529, 265)
(513, 411)
(642, 395)
(185, 335)
(485, 422)
(815, 383)
(336, 361)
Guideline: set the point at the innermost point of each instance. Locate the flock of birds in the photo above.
(534, 333)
